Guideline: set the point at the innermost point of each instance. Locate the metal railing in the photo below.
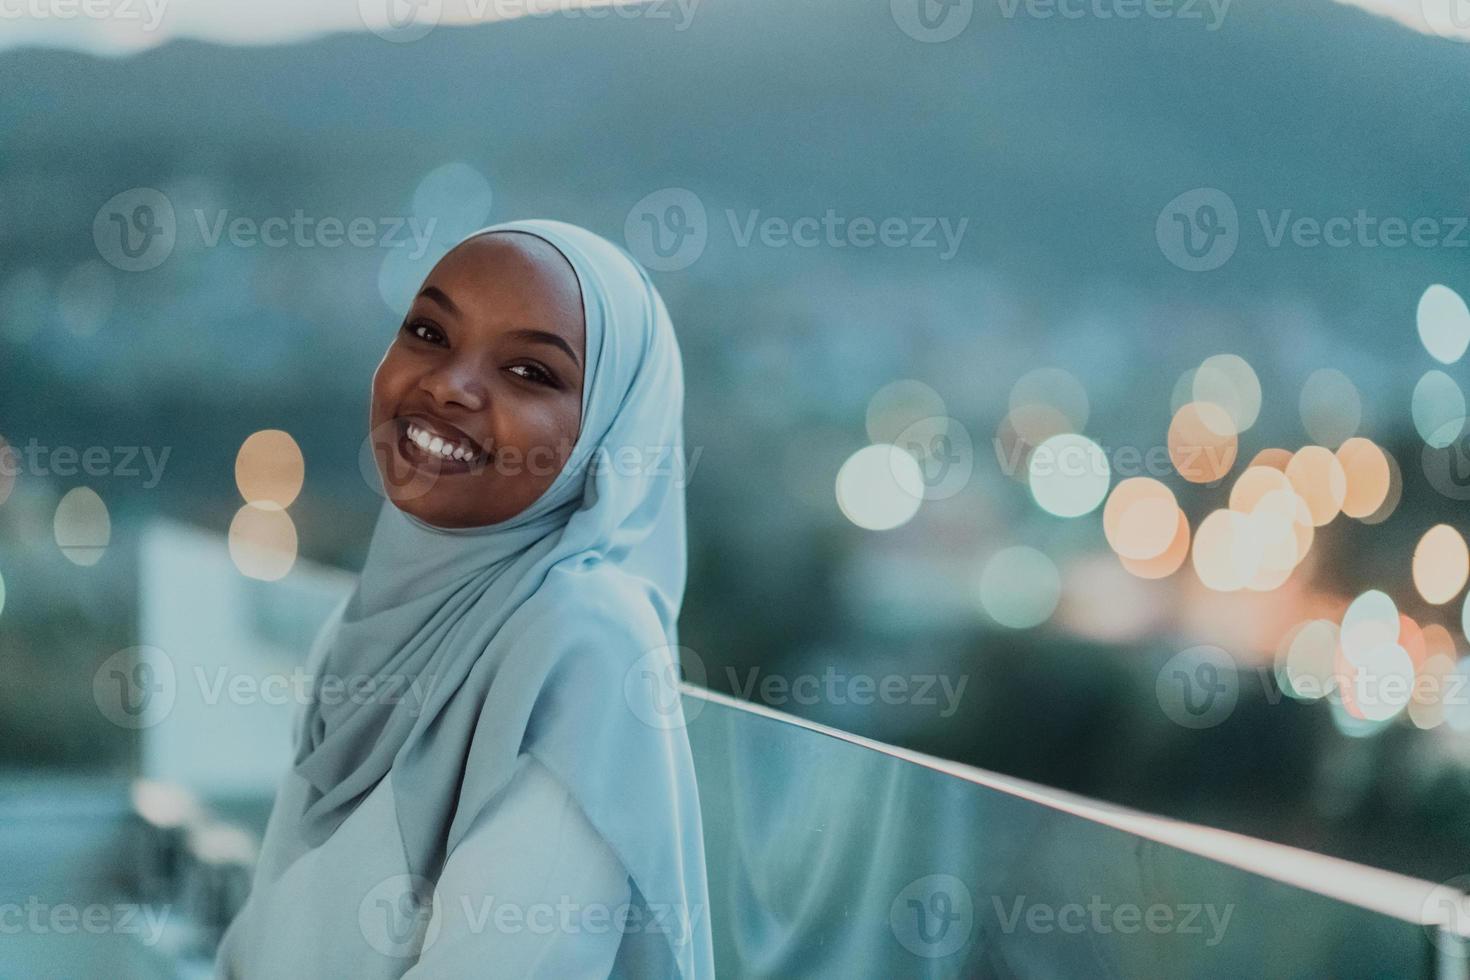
(831, 855)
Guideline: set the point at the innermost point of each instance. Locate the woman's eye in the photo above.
(534, 373)
(424, 330)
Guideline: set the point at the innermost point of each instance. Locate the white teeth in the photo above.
(438, 445)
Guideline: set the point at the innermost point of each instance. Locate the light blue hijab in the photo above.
(539, 634)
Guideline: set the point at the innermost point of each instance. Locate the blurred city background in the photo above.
(1074, 393)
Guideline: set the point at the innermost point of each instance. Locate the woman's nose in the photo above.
(457, 383)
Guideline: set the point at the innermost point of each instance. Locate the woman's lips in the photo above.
(412, 439)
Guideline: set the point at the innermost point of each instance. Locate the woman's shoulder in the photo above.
(596, 603)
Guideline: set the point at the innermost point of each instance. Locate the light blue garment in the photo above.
(539, 634)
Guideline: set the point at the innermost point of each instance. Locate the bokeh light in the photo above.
(1277, 459)
(1167, 562)
(1368, 478)
(1053, 388)
(1444, 323)
(1226, 556)
(1019, 587)
(1441, 564)
(898, 405)
(1021, 431)
(1229, 381)
(1330, 406)
(1438, 409)
(880, 487)
(1369, 622)
(262, 542)
(83, 526)
(1309, 656)
(1383, 682)
(1202, 442)
(1318, 478)
(1395, 492)
(1141, 518)
(269, 469)
(1068, 475)
(1254, 484)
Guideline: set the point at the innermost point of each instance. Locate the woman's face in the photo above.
(478, 401)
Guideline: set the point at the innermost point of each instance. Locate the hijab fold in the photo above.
(538, 634)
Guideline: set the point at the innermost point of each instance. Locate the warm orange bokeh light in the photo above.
(1368, 476)
(1202, 442)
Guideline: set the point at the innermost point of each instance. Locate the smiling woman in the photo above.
(482, 385)
(529, 597)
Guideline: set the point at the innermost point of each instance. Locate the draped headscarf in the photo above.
(538, 634)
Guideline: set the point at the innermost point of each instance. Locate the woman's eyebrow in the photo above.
(545, 337)
(441, 297)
